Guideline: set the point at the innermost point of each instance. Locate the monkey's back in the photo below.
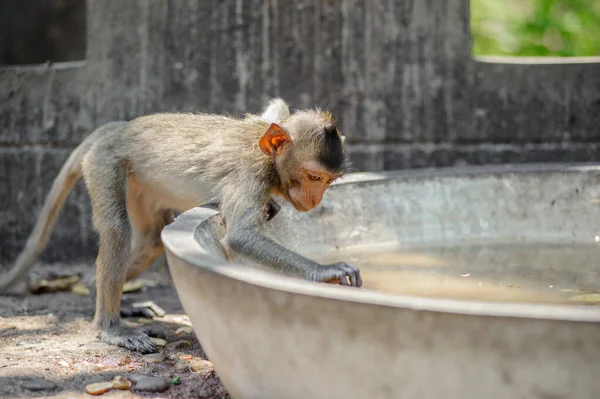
(181, 155)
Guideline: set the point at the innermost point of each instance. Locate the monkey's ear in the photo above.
(273, 139)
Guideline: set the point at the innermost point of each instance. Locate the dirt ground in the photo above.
(49, 349)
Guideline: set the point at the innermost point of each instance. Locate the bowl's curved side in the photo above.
(271, 343)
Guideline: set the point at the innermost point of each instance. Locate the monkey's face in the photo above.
(307, 165)
(305, 188)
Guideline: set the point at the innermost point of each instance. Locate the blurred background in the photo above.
(34, 31)
(563, 28)
(414, 83)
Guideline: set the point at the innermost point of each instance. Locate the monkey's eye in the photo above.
(313, 178)
(330, 181)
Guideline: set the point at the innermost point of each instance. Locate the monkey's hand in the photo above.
(340, 273)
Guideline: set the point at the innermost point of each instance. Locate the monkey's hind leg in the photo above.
(147, 221)
(105, 178)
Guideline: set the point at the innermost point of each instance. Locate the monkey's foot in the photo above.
(127, 337)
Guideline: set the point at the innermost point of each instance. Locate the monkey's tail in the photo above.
(63, 184)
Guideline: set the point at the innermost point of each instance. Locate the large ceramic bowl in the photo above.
(276, 337)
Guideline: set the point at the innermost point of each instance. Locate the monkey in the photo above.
(138, 173)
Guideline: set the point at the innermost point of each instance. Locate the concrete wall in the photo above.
(398, 74)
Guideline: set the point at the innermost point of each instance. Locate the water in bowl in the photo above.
(505, 272)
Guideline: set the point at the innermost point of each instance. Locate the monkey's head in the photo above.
(308, 152)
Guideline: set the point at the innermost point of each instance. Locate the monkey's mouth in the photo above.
(300, 207)
(285, 193)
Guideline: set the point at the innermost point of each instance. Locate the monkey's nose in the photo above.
(314, 201)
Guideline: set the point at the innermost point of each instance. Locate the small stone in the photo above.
(179, 345)
(184, 330)
(154, 358)
(186, 357)
(28, 344)
(181, 366)
(98, 388)
(158, 341)
(150, 384)
(121, 383)
(197, 365)
(38, 385)
(193, 365)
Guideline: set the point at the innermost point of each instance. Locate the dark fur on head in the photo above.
(316, 132)
(332, 154)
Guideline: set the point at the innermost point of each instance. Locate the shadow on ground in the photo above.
(49, 348)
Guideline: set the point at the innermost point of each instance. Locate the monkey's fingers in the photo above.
(354, 275)
(140, 343)
(341, 273)
(351, 273)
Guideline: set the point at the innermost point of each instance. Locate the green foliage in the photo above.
(564, 28)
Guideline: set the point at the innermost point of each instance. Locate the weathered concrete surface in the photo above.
(398, 74)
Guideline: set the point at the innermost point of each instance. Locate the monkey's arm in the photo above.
(245, 238)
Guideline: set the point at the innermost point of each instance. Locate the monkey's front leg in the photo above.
(251, 243)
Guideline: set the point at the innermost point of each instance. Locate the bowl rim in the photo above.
(179, 240)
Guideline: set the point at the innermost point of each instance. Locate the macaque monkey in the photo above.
(138, 173)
